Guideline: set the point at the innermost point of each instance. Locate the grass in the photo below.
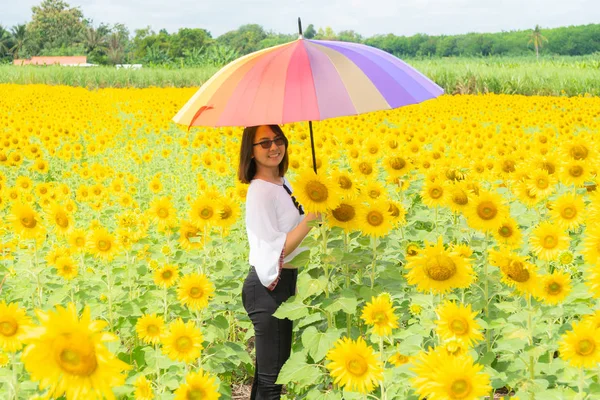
(509, 75)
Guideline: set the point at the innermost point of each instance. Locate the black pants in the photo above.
(273, 336)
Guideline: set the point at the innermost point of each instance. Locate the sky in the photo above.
(366, 17)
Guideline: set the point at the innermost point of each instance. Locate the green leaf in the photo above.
(298, 371)
(292, 309)
(346, 302)
(319, 343)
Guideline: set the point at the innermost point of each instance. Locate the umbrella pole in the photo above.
(312, 146)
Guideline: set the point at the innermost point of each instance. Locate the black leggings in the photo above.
(273, 336)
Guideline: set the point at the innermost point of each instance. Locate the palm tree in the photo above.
(92, 39)
(19, 34)
(537, 39)
(115, 51)
(5, 41)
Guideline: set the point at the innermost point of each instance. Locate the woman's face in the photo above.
(271, 156)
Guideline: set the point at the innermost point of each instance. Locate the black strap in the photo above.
(296, 204)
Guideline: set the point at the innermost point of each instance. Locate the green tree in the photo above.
(5, 41)
(115, 50)
(19, 35)
(188, 38)
(349, 36)
(245, 39)
(309, 32)
(55, 24)
(537, 39)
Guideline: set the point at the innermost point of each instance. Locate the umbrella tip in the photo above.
(300, 29)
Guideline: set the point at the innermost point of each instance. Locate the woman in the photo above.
(276, 225)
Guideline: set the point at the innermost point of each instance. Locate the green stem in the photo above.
(381, 385)
(325, 264)
(347, 284)
(436, 221)
(15, 375)
(166, 304)
(531, 358)
(109, 286)
(157, 351)
(581, 394)
(374, 246)
(486, 291)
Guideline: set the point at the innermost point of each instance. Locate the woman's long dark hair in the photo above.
(247, 167)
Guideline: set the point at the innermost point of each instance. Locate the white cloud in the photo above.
(367, 17)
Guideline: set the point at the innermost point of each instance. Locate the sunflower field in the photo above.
(458, 258)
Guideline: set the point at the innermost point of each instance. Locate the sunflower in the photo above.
(143, 389)
(183, 341)
(77, 240)
(555, 287)
(26, 222)
(575, 173)
(373, 189)
(397, 166)
(166, 276)
(67, 355)
(63, 221)
(198, 385)
(487, 211)
(190, 236)
(162, 213)
(591, 244)
(516, 271)
(375, 219)
(508, 234)
(155, 185)
(580, 347)
(364, 168)
(195, 291)
(444, 377)
(547, 241)
(229, 212)
(568, 211)
(203, 212)
(526, 195)
(398, 359)
(345, 215)
(438, 270)
(150, 328)
(379, 314)
(458, 196)
(102, 244)
(397, 212)
(593, 319)
(593, 280)
(14, 326)
(316, 193)
(354, 366)
(434, 194)
(66, 267)
(541, 183)
(456, 321)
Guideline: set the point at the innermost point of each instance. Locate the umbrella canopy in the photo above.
(305, 80)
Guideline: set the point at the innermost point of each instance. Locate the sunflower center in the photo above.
(579, 152)
(397, 163)
(184, 344)
(379, 317)
(196, 394)
(412, 250)
(357, 366)
(487, 210)
(28, 222)
(508, 166)
(460, 197)
(62, 220)
(585, 347)
(568, 212)
(75, 354)
(365, 168)
(459, 326)
(505, 231)
(576, 171)
(374, 218)
(8, 326)
(206, 213)
(460, 389)
(167, 274)
(345, 182)
(554, 288)
(374, 193)
(394, 211)
(550, 242)
(436, 192)
(226, 212)
(196, 292)
(104, 245)
(440, 268)
(153, 330)
(516, 271)
(162, 212)
(344, 213)
(542, 183)
(80, 241)
(316, 191)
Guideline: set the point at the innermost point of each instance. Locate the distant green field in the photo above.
(510, 75)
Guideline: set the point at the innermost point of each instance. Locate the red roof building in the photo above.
(50, 60)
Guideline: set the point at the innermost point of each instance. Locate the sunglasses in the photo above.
(266, 144)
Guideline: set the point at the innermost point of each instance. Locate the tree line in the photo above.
(56, 28)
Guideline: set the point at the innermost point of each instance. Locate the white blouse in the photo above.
(270, 215)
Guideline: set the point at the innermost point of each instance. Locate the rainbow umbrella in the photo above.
(305, 80)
